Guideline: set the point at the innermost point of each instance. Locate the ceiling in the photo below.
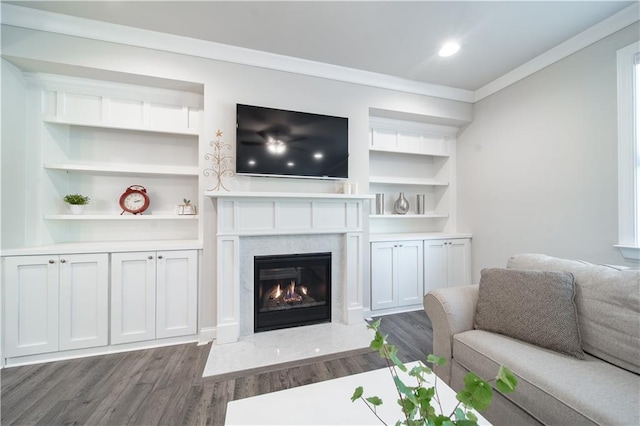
(389, 37)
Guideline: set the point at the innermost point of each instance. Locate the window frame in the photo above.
(628, 166)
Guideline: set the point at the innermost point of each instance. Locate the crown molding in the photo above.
(87, 28)
(614, 23)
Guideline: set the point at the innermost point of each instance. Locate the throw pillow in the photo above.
(533, 306)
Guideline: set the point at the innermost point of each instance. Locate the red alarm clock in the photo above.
(134, 200)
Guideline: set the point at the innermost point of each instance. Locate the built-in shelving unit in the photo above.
(97, 138)
(412, 158)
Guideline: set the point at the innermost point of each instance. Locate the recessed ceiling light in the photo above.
(290, 164)
(317, 155)
(252, 162)
(448, 49)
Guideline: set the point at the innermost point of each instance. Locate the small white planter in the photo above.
(76, 208)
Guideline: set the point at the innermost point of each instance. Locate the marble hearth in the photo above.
(257, 224)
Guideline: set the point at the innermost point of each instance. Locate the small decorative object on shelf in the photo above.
(222, 164)
(134, 200)
(187, 208)
(420, 204)
(379, 203)
(76, 202)
(401, 205)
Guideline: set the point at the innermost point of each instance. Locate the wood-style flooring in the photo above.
(164, 386)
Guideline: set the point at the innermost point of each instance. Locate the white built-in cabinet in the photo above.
(404, 270)
(447, 263)
(153, 295)
(55, 303)
(397, 274)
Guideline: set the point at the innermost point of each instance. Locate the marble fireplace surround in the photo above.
(252, 224)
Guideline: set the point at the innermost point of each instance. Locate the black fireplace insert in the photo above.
(291, 290)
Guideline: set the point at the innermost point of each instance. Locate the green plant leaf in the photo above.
(436, 360)
(375, 325)
(405, 390)
(357, 394)
(374, 400)
(393, 355)
(464, 397)
(506, 381)
(472, 416)
(378, 342)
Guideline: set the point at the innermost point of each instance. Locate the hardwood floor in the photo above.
(164, 386)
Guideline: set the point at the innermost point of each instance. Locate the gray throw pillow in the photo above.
(533, 306)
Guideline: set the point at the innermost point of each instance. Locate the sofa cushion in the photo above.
(553, 388)
(534, 306)
(608, 303)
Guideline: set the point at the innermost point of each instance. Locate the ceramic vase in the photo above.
(401, 205)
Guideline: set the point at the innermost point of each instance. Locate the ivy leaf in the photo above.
(436, 360)
(393, 355)
(375, 325)
(374, 400)
(506, 381)
(377, 343)
(357, 394)
(472, 416)
(402, 388)
(460, 414)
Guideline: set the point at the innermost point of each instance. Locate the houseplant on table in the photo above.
(421, 405)
(76, 202)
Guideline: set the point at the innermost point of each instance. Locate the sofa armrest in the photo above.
(451, 310)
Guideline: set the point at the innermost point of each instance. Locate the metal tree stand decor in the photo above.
(222, 164)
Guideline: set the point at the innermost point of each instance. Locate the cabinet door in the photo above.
(410, 273)
(384, 293)
(84, 301)
(133, 297)
(177, 298)
(436, 267)
(31, 305)
(459, 262)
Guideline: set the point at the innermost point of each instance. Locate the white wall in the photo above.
(226, 84)
(537, 167)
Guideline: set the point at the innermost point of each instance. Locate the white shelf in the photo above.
(115, 126)
(119, 217)
(397, 151)
(130, 169)
(428, 215)
(416, 236)
(406, 181)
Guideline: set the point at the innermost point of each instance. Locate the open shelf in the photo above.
(119, 169)
(119, 217)
(428, 215)
(406, 181)
(106, 125)
(429, 153)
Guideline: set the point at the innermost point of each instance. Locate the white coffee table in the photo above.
(329, 403)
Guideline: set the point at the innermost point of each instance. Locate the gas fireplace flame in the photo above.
(276, 293)
(291, 295)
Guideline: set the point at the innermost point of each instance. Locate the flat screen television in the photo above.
(274, 142)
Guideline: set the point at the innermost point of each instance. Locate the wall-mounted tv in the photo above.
(274, 142)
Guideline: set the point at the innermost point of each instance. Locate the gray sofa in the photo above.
(553, 388)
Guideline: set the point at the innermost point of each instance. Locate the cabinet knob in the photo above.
(63, 261)
(150, 257)
(160, 257)
(52, 261)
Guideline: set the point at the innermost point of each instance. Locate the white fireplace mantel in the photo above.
(247, 214)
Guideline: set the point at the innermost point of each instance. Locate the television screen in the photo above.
(275, 142)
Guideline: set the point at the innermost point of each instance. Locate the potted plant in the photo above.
(420, 404)
(76, 202)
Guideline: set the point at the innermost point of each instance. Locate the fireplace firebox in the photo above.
(291, 290)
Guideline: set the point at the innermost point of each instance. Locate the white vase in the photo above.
(76, 208)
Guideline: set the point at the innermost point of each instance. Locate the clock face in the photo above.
(134, 201)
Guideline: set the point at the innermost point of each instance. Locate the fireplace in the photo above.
(291, 290)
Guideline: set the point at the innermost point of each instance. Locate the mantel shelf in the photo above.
(116, 126)
(119, 217)
(281, 195)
